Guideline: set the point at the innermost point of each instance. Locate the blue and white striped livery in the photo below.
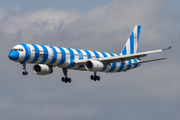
(46, 57)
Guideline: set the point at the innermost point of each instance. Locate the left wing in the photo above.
(108, 60)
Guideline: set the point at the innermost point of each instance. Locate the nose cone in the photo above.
(14, 55)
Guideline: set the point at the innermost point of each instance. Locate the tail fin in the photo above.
(132, 42)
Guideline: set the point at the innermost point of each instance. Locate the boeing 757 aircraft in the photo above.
(46, 57)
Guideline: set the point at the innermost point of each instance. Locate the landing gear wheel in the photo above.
(25, 72)
(69, 80)
(63, 79)
(98, 78)
(92, 77)
(95, 77)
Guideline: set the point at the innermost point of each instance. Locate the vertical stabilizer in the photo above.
(132, 42)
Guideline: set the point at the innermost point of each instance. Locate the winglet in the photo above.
(170, 45)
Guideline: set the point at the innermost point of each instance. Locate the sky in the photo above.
(148, 92)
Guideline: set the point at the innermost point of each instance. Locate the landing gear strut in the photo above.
(24, 68)
(95, 77)
(65, 79)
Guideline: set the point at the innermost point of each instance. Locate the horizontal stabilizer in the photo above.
(149, 61)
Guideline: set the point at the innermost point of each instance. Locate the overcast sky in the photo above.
(149, 92)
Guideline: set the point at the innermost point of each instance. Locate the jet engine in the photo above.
(41, 69)
(93, 65)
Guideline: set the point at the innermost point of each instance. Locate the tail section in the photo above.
(132, 42)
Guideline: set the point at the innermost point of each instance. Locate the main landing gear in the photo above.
(95, 77)
(65, 79)
(24, 68)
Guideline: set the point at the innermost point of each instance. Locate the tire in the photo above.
(98, 78)
(95, 77)
(24, 73)
(92, 77)
(69, 80)
(63, 79)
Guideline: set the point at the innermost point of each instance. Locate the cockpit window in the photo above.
(16, 49)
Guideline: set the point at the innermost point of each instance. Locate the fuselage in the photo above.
(64, 57)
(46, 57)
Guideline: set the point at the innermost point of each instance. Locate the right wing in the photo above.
(123, 58)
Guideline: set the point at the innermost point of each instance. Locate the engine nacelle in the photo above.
(93, 65)
(41, 69)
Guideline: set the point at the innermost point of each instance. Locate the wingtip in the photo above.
(170, 44)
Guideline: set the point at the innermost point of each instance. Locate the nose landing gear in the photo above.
(24, 68)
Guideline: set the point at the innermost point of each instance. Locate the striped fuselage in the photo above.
(64, 57)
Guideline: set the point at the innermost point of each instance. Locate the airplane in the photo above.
(46, 57)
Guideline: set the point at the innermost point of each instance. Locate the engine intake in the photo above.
(93, 65)
(41, 69)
